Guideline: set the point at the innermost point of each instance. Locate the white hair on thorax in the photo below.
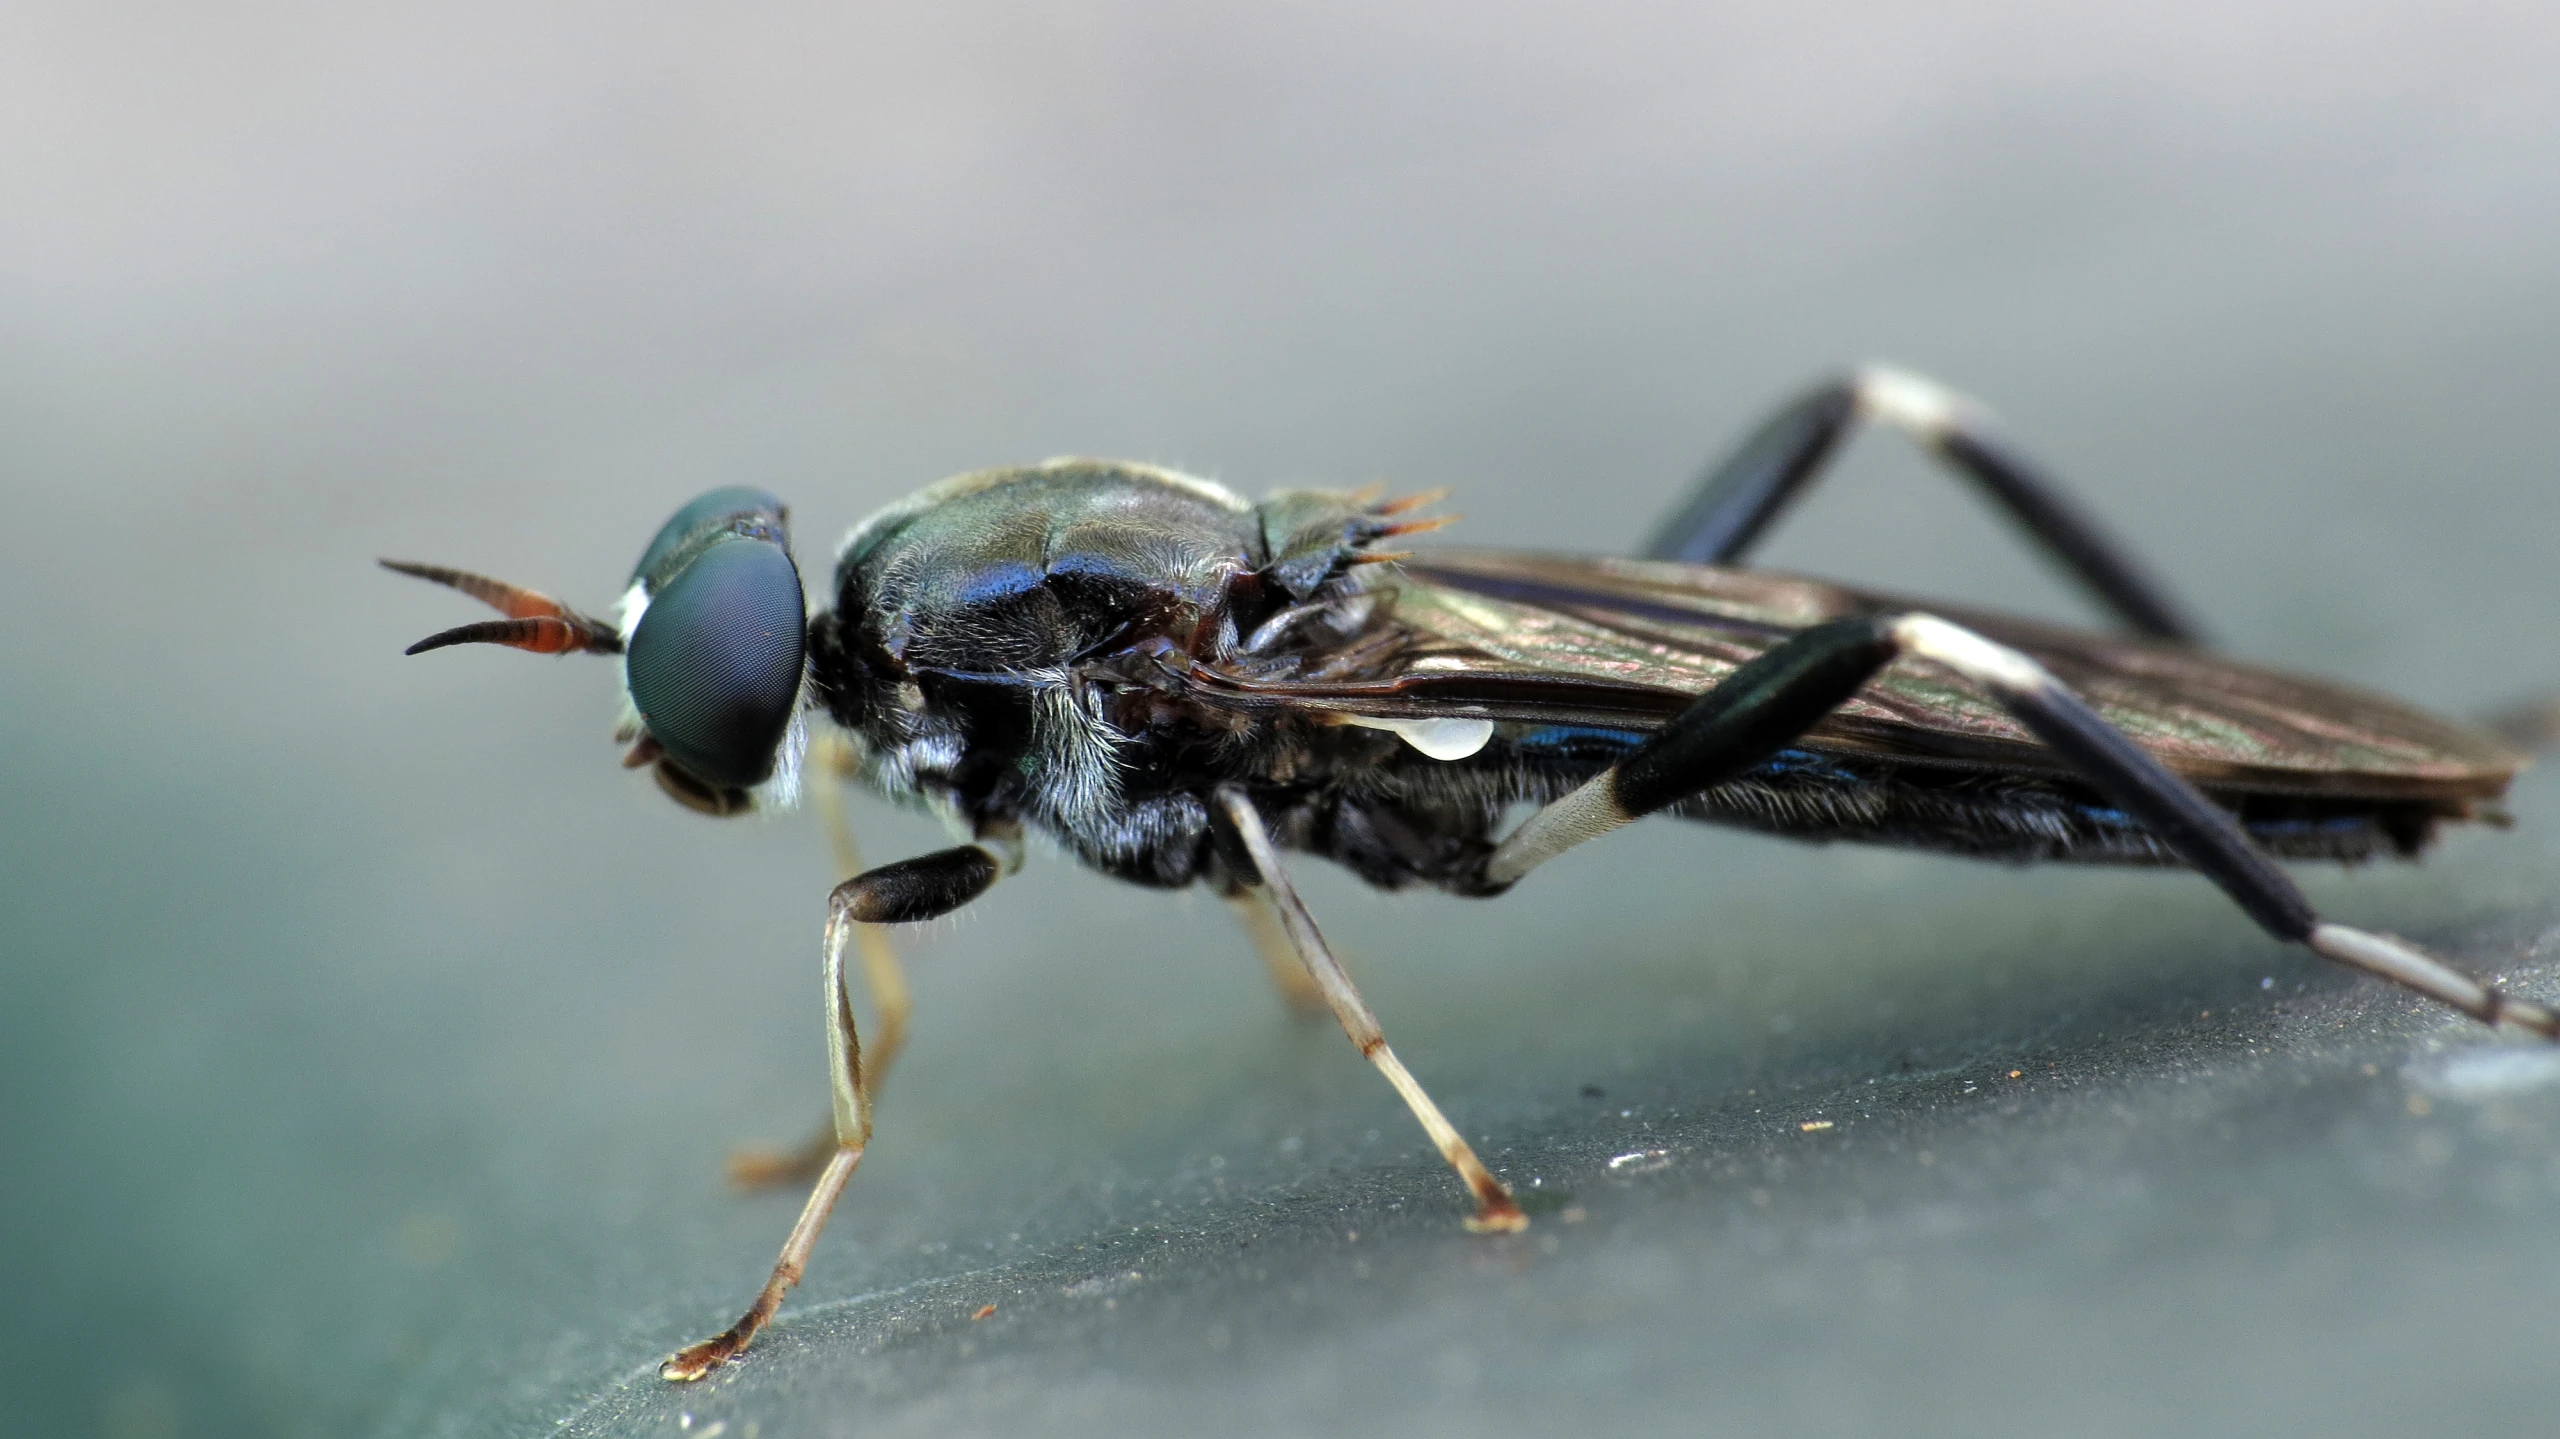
(1079, 748)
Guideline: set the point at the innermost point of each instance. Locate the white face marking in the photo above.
(631, 608)
(633, 604)
(1898, 397)
(1441, 739)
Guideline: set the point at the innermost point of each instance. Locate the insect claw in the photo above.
(692, 1362)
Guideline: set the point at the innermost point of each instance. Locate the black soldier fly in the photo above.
(1175, 686)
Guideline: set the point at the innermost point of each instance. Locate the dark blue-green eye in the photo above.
(714, 664)
(728, 507)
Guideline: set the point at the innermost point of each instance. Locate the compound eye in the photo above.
(725, 508)
(714, 664)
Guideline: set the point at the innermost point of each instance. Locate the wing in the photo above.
(1628, 643)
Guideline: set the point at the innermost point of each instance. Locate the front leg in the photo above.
(915, 889)
(831, 765)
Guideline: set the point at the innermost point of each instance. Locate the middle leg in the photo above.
(1260, 920)
(1496, 1211)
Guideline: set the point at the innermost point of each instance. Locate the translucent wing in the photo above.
(1627, 643)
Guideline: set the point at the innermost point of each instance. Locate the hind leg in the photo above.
(1770, 702)
(1738, 500)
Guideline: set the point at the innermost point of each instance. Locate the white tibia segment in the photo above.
(1584, 815)
(833, 759)
(1915, 404)
(2397, 962)
(1994, 666)
(2404, 964)
(845, 1080)
(1593, 810)
(1496, 1210)
(1441, 739)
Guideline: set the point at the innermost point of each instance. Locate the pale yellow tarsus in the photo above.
(884, 979)
(852, 1104)
(1496, 1211)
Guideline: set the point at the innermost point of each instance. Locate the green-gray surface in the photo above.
(370, 1044)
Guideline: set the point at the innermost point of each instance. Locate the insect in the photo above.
(1177, 686)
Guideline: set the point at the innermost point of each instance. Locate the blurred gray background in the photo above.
(369, 1044)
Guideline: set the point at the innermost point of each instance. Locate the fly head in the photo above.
(712, 638)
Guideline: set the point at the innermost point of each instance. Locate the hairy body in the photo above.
(1092, 649)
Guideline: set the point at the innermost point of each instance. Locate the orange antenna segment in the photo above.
(535, 621)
